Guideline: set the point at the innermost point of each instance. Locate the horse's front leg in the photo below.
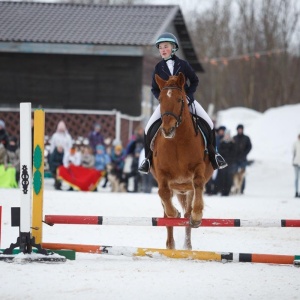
(169, 212)
(197, 203)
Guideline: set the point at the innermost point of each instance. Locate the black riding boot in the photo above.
(216, 159)
(144, 168)
(57, 184)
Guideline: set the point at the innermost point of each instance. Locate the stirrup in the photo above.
(144, 168)
(220, 161)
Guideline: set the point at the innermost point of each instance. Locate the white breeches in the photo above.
(198, 110)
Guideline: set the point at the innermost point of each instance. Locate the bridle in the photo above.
(169, 113)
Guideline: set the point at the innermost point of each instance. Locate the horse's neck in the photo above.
(187, 117)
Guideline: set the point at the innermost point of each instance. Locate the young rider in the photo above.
(170, 64)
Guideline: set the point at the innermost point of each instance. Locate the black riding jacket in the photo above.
(180, 65)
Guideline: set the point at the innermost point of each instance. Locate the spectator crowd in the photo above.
(9, 159)
(234, 149)
(118, 163)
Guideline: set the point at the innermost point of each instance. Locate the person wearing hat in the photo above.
(225, 177)
(171, 65)
(117, 157)
(61, 137)
(3, 134)
(242, 148)
(101, 158)
(220, 134)
(60, 144)
(95, 137)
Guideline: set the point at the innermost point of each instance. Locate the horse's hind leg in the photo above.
(188, 229)
(185, 202)
(187, 241)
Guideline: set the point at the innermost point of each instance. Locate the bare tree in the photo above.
(212, 38)
(257, 62)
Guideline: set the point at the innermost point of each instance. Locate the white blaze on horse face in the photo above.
(169, 93)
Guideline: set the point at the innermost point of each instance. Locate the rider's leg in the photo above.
(144, 168)
(197, 109)
(216, 159)
(155, 116)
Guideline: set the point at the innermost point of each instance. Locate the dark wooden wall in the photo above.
(72, 81)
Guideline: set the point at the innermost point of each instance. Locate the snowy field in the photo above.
(269, 194)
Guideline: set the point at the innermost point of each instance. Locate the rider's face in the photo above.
(165, 49)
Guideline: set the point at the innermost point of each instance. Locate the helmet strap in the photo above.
(172, 55)
(170, 58)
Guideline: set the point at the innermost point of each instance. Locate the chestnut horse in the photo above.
(180, 163)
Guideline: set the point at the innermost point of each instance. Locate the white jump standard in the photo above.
(22, 216)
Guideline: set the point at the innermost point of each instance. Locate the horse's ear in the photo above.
(161, 83)
(181, 80)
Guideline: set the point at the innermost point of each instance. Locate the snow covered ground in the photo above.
(269, 194)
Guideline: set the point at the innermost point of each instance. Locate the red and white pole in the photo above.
(154, 221)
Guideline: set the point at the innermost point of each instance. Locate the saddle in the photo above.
(200, 126)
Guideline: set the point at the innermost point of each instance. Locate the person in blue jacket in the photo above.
(101, 158)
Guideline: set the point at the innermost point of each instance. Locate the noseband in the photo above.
(170, 113)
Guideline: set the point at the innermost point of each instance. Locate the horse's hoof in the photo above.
(178, 214)
(195, 224)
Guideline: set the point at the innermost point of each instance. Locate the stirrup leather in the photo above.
(145, 166)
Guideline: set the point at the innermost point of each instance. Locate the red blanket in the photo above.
(80, 178)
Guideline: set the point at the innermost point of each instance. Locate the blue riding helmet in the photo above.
(167, 37)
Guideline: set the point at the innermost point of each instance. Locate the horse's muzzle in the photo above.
(169, 134)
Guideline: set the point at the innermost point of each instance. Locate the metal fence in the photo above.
(114, 124)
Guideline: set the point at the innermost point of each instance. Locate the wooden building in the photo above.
(83, 57)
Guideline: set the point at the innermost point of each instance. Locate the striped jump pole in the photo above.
(179, 254)
(153, 221)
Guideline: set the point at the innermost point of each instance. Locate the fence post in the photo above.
(38, 175)
(118, 126)
(26, 174)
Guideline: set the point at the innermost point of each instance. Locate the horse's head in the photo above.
(172, 101)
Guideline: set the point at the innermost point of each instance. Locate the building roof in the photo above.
(114, 25)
